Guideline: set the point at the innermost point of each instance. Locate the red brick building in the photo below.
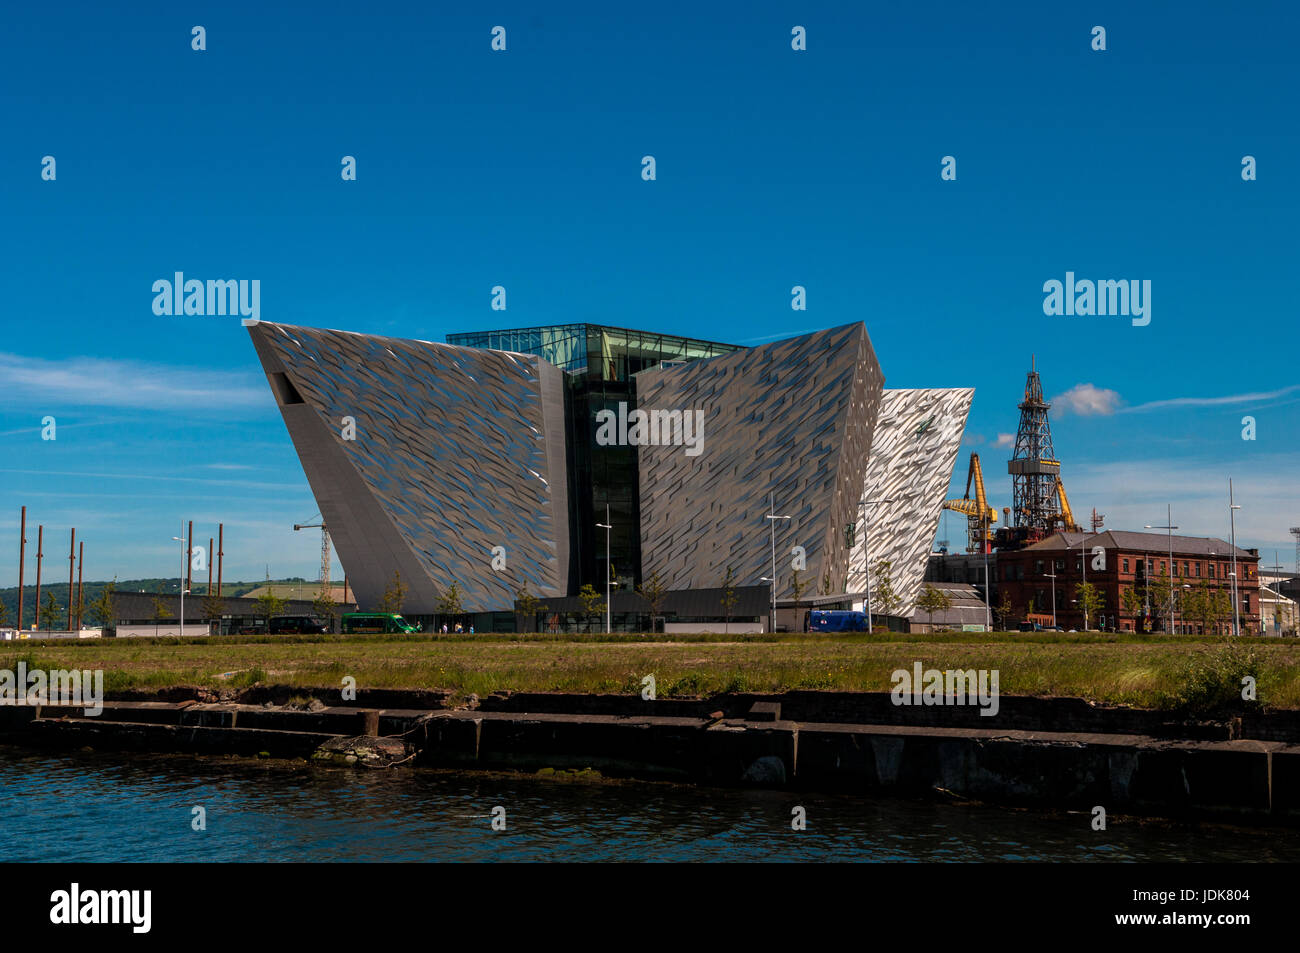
(1131, 572)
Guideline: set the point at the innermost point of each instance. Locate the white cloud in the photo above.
(1214, 401)
(1087, 400)
(1005, 440)
(109, 382)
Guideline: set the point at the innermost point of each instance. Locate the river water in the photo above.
(99, 807)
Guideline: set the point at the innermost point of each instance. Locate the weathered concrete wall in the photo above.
(763, 745)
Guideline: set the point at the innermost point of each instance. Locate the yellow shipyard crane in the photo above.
(979, 515)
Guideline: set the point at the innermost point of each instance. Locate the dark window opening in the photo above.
(285, 392)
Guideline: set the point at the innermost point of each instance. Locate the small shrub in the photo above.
(1210, 681)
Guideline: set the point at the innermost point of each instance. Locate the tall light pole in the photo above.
(772, 518)
(1232, 519)
(1169, 525)
(1052, 576)
(1083, 563)
(866, 556)
(607, 526)
(185, 564)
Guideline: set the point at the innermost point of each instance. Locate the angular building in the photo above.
(785, 429)
(427, 460)
(918, 434)
(495, 461)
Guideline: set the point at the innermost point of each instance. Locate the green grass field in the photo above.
(1144, 671)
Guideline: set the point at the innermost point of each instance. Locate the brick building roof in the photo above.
(1143, 543)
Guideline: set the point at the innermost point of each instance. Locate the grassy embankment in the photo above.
(1145, 671)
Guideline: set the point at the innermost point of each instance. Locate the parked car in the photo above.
(356, 623)
(295, 625)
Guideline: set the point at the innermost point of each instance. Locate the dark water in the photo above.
(97, 807)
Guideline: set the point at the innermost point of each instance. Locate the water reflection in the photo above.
(99, 807)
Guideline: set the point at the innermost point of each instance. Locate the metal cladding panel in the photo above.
(794, 417)
(457, 450)
(918, 434)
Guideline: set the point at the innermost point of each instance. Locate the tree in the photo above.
(51, 611)
(527, 604)
(826, 584)
(213, 608)
(1197, 605)
(160, 612)
(1006, 610)
(323, 607)
(448, 603)
(729, 597)
(798, 586)
(653, 592)
(1132, 602)
(395, 595)
(1220, 610)
(592, 603)
(884, 599)
(1091, 600)
(933, 600)
(269, 604)
(1161, 589)
(4, 614)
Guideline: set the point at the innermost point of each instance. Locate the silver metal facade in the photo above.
(796, 418)
(456, 451)
(917, 437)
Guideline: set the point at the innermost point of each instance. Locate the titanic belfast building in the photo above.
(491, 462)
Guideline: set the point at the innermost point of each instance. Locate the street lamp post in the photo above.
(1169, 525)
(866, 555)
(607, 526)
(1052, 576)
(772, 518)
(185, 562)
(1083, 562)
(1236, 605)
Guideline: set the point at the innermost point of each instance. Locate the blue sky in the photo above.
(775, 168)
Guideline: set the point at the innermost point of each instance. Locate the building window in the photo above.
(1211, 565)
(1198, 570)
(1186, 570)
(1126, 565)
(1060, 565)
(1038, 566)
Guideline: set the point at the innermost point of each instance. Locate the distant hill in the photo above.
(91, 591)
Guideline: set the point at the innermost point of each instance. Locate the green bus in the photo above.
(357, 623)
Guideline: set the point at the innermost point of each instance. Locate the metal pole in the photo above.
(606, 526)
(72, 565)
(609, 572)
(81, 558)
(866, 564)
(40, 554)
(209, 592)
(1052, 576)
(189, 553)
(1236, 604)
(185, 572)
(221, 530)
(1169, 522)
(22, 559)
(771, 522)
(1169, 525)
(772, 518)
(988, 609)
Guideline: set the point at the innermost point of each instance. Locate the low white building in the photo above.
(1278, 615)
